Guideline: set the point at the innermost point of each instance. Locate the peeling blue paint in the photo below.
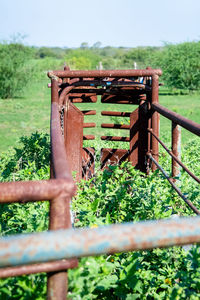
(69, 243)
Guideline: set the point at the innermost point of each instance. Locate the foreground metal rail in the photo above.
(178, 119)
(69, 243)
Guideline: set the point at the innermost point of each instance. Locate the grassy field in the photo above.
(25, 115)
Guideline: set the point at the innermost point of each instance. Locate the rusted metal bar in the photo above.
(89, 112)
(87, 84)
(62, 244)
(106, 73)
(26, 191)
(115, 113)
(115, 126)
(178, 119)
(176, 150)
(155, 119)
(175, 157)
(84, 93)
(116, 90)
(188, 202)
(58, 155)
(90, 99)
(63, 94)
(116, 138)
(88, 137)
(60, 206)
(39, 268)
(122, 99)
(89, 125)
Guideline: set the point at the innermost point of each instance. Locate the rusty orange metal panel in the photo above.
(73, 135)
(134, 134)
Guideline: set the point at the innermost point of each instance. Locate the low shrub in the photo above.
(118, 194)
(15, 71)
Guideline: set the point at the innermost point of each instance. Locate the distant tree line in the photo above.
(180, 63)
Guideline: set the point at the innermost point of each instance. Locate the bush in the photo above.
(14, 69)
(116, 195)
(82, 59)
(180, 64)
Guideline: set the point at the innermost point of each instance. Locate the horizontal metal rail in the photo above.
(178, 119)
(26, 191)
(88, 137)
(115, 138)
(89, 125)
(70, 243)
(115, 126)
(188, 202)
(104, 73)
(39, 268)
(174, 157)
(115, 113)
(89, 112)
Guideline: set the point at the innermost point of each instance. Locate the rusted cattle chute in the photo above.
(133, 87)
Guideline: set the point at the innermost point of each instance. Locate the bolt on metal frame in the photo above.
(52, 252)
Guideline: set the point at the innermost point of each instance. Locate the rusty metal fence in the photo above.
(57, 250)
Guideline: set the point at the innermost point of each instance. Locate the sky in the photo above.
(126, 23)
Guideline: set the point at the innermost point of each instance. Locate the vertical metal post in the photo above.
(155, 120)
(59, 218)
(176, 149)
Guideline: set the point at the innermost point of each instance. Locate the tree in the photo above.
(14, 69)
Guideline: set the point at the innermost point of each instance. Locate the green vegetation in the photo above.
(15, 70)
(19, 63)
(113, 196)
(180, 65)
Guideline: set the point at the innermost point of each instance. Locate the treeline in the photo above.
(180, 63)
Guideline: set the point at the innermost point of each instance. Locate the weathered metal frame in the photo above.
(37, 252)
(193, 127)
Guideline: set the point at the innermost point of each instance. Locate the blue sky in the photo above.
(126, 23)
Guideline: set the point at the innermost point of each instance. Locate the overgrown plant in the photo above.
(118, 194)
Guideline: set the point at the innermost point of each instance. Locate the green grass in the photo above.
(185, 105)
(25, 115)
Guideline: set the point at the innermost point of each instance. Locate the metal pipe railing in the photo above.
(178, 119)
(60, 206)
(41, 190)
(187, 201)
(52, 266)
(104, 73)
(63, 244)
(174, 157)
